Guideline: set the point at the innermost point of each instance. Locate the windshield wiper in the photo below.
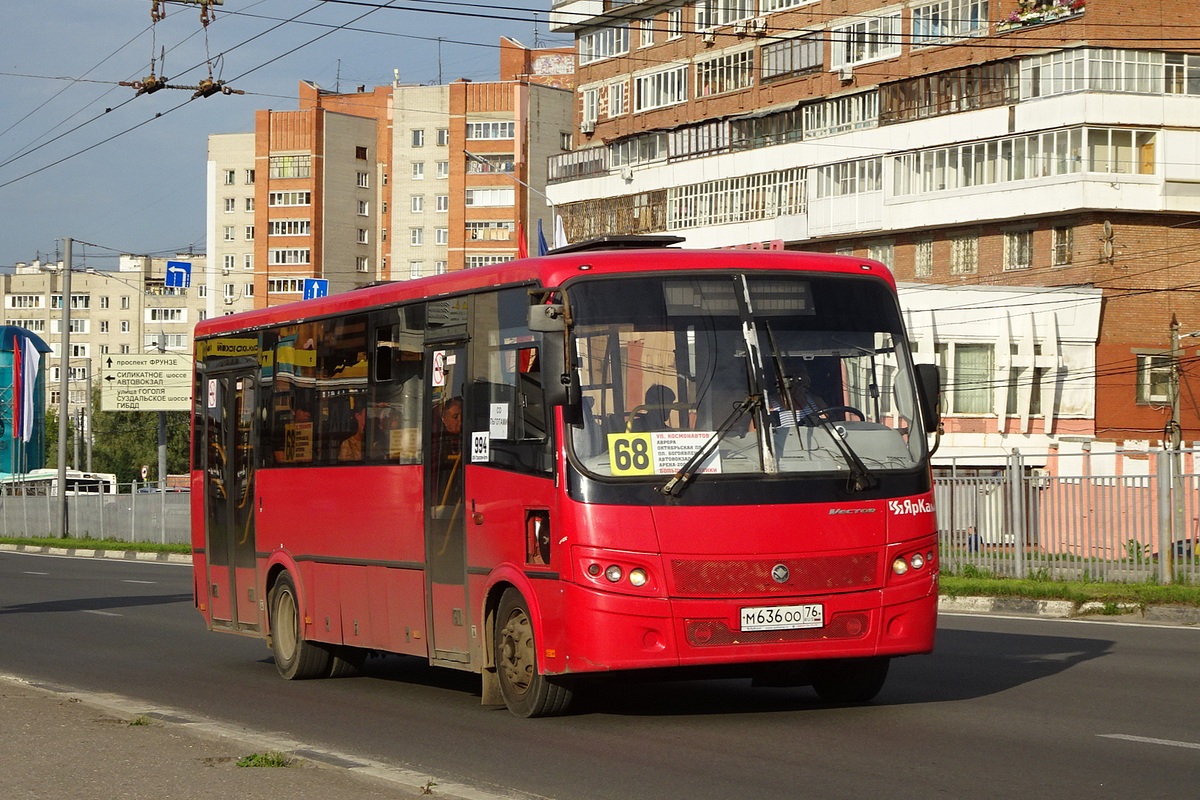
(680, 480)
(861, 478)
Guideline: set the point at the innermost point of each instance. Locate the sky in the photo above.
(83, 157)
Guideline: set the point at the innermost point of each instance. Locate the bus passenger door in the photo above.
(229, 409)
(445, 523)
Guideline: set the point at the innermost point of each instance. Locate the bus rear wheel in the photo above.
(855, 680)
(526, 692)
(295, 656)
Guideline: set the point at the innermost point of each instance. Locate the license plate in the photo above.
(782, 618)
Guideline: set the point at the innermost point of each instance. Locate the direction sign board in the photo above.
(179, 274)
(315, 287)
(146, 382)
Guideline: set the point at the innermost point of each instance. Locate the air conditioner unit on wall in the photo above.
(846, 73)
(739, 27)
(587, 126)
(708, 37)
(759, 25)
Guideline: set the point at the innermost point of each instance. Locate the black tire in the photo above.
(852, 681)
(296, 658)
(526, 692)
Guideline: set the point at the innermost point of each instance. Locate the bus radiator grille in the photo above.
(703, 578)
(716, 633)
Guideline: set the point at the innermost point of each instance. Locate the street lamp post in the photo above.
(64, 390)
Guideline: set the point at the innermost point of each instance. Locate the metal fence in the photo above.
(129, 516)
(1125, 516)
(1128, 516)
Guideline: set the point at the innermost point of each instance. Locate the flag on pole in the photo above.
(29, 377)
(542, 248)
(560, 232)
(522, 245)
(17, 395)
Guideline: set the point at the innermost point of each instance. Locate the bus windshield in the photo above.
(770, 374)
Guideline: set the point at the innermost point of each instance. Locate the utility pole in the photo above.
(1173, 439)
(64, 390)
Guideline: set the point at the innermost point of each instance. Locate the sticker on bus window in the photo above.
(498, 421)
(212, 393)
(439, 367)
(480, 445)
(659, 452)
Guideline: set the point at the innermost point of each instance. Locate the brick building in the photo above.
(1008, 143)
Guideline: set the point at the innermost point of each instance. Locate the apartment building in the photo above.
(1017, 143)
(470, 163)
(231, 207)
(112, 312)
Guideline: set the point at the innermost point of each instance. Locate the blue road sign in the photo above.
(179, 274)
(315, 287)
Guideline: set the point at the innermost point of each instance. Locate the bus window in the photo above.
(394, 415)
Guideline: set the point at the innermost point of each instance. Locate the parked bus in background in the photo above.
(43, 482)
(619, 456)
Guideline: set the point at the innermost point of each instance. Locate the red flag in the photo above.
(18, 396)
(522, 245)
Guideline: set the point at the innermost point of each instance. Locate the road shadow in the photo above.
(964, 665)
(95, 603)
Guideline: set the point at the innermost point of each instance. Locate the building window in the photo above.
(289, 227)
(249, 203)
(362, 236)
(849, 178)
(591, 105)
(248, 290)
(646, 28)
(248, 177)
(104, 326)
(841, 114)
(1018, 249)
(946, 20)
(710, 13)
(923, 258)
(973, 389)
(248, 261)
(441, 236)
(103, 303)
(418, 170)
(362, 264)
(364, 208)
(285, 256)
(1120, 151)
(229, 177)
(124, 326)
(882, 252)
(494, 197)
(276, 199)
(865, 39)
(665, 87)
(491, 130)
(439, 268)
(1063, 241)
(294, 166)
(229, 233)
(674, 23)
(793, 56)
(363, 180)
(416, 269)
(442, 202)
(443, 137)
(964, 255)
(605, 42)
(1153, 379)
(730, 72)
(442, 169)
(360, 153)
(124, 302)
(418, 137)
(228, 261)
(249, 233)
(230, 205)
(417, 203)
(416, 236)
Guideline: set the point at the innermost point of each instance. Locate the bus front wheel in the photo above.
(526, 692)
(295, 656)
(855, 680)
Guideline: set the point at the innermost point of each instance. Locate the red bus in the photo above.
(612, 457)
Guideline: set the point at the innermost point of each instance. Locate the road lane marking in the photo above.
(100, 613)
(1148, 740)
(148, 583)
(35, 573)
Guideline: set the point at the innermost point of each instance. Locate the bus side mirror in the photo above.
(547, 317)
(560, 383)
(929, 394)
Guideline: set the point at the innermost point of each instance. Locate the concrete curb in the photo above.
(81, 552)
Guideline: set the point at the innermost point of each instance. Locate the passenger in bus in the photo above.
(352, 445)
(655, 413)
(447, 446)
(806, 406)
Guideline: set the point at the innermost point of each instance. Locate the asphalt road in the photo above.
(1003, 708)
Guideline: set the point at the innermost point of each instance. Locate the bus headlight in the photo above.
(613, 573)
(899, 566)
(638, 577)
